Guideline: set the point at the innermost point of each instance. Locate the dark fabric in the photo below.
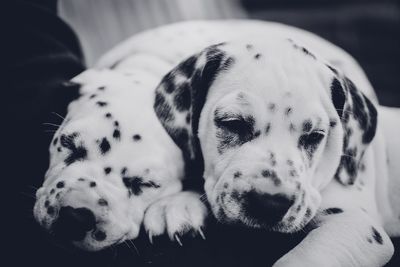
(41, 54)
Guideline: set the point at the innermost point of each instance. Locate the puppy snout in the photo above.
(266, 208)
(73, 223)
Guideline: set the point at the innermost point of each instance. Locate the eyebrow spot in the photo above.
(267, 128)
(332, 123)
(257, 56)
(271, 106)
(288, 111)
(237, 174)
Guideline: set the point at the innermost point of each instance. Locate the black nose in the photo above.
(73, 223)
(267, 209)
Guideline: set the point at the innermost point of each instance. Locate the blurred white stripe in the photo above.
(100, 24)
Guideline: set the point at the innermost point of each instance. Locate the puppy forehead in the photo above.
(277, 66)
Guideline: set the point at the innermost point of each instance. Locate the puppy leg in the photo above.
(350, 239)
(176, 215)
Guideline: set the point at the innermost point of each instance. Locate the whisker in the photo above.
(28, 195)
(51, 124)
(133, 244)
(58, 115)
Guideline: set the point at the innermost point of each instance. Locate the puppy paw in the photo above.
(176, 215)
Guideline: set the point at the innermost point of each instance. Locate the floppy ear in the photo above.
(359, 119)
(181, 95)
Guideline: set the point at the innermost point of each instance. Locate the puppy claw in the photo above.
(178, 240)
(201, 233)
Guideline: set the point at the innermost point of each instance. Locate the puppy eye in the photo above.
(311, 140)
(238, 126)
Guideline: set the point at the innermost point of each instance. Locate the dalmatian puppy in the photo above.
(113, 167)
(290, 142)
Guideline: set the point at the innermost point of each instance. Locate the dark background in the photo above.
(34, 85)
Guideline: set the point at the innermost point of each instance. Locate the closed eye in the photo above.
(236, 125)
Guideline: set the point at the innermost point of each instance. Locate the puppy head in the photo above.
(269, 119)
(107, 164)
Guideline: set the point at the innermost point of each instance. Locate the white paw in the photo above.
(175, 215)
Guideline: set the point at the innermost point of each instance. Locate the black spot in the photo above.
(136, 137)
(60, 184)
(187, 67)
(288, 111)
(291, 219)
(81, 179)
(46, 203)
(249, 47)
(92, 96)
(182, 98)
(377, 236)
(59, 149)
(307, 126)
(272, 175)
(104, 146)
(310, 142)
(92, 184)
(188, 118)
(330, 211)
(168, 83)
(333, 69)
(162, 108)
(271, 106)
(101, 88)
(55, 141)
(107, 170)
(75, 153)
(116, 123)
(332, 123)
(108, 115)
(52, 191)
(102, 202)
(257, 56)
(117, 134)
(135, 185)
(267, 128)
(237, 174)
(308, 213)
(305, 51)
(124, 170)
(99, 235)
(101, 103)
(338, 96)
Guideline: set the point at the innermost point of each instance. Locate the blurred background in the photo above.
(368, 29)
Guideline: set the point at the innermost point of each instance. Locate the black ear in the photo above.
(181, 95)
(359, 119)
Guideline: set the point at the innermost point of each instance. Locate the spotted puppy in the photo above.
(110, 161)
(290, 143)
